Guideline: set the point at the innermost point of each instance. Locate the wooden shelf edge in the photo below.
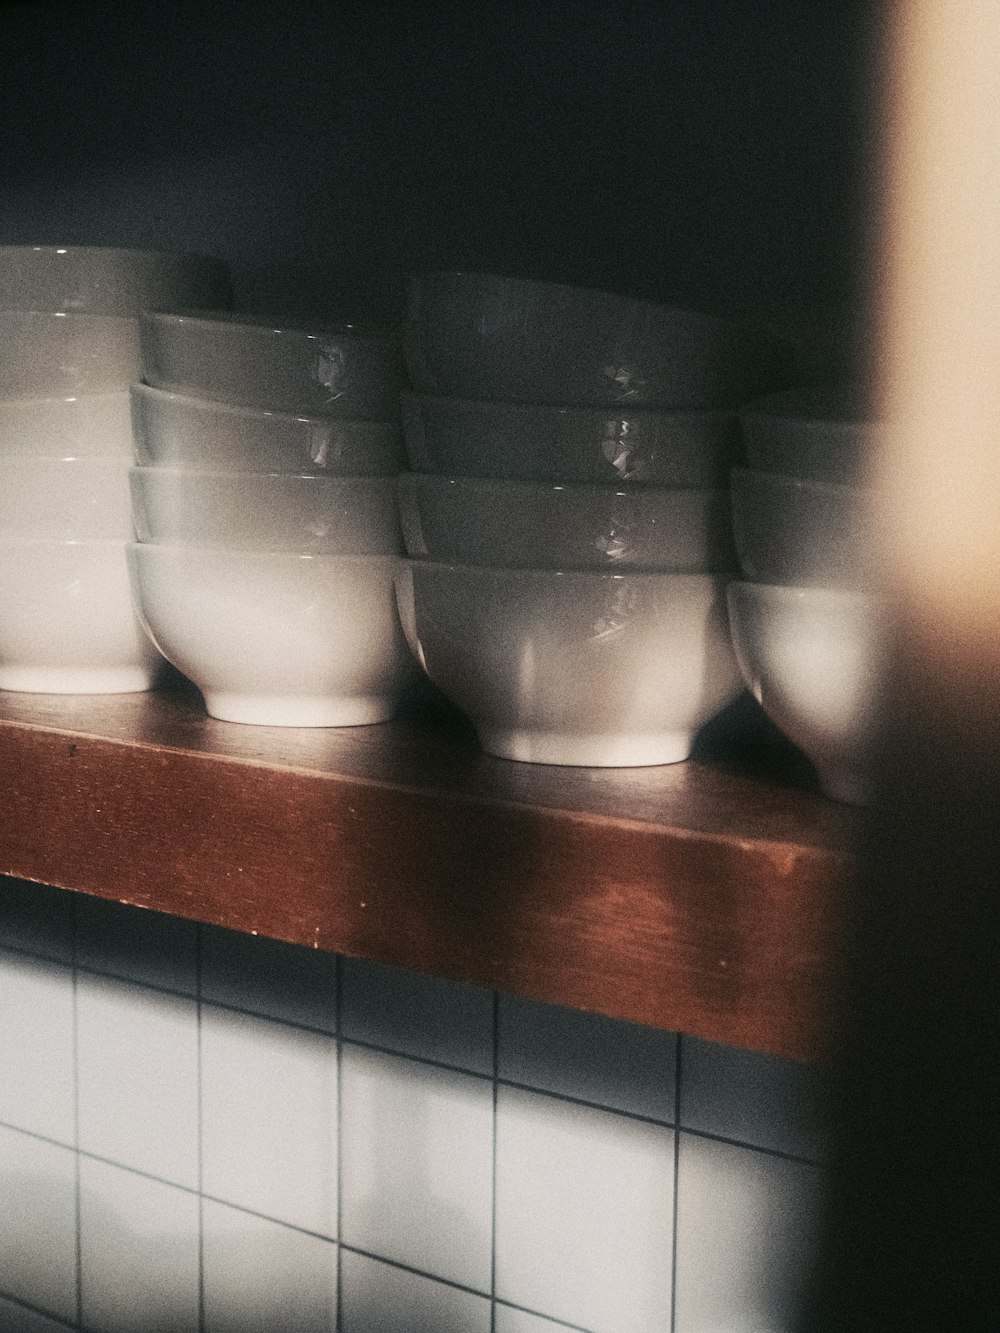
(732, 938)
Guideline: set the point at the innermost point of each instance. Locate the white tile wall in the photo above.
(138, 1079)
(417, 1164)
(36, 1046)
(269, 1118)
(138, 1252)
(262, 1277)
(422, 1016)
(378, 1298)
(550, 1187)
(584, 1213)
(38, 1223)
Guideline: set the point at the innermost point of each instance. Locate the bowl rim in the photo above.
(129, 250)
(275, 555)
(794, 593)
(142, 390)
(245, 322)
(331, 480)
(570, 574)
(526, 485)
(607, 412)
(784, 481)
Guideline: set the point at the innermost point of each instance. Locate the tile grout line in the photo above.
(493, 1175)
(76, 1121)
(678, 1074)
(338, 989)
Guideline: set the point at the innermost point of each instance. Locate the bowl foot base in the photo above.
(276, 710)
(77, 680)
(588, 751)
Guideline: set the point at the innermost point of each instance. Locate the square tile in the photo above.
(623, 1066)
(584, 1214)
(417, 1015)
(36, 918)
(417, 1164)
(269, 1118)
(262, 1277)
(138, 1252)
(509, 1320)
(38, 1223)
(136, 944)
(763, 1100)
(285, 982)
(36, 1046)
(745, 1227)
(138, 1082)
(377, 1298)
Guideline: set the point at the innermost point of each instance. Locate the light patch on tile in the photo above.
(38, 1223)
(269, 1118)
(138, 1081)
(763, 1100)
(36, 1046)
(138, 1253)
(416, 1171)
(37, 918)
(584, 1214)
(426, 1017)
(744, 1235)
(136, 944)
(286, 982)
(378, 1298)
(261, 1277)
(623, 1066)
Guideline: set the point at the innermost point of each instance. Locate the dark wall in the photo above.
(694, 148)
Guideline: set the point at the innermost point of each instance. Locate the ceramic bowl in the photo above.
(53, 355)
(346, 372)
(67, 623)
(809, 657)
(80, 426)
(538, 442)
(824, 433)
(582, 668)
(277, 638)
(481, 336)
(173, 430)
(801, 532)
(266, 512)
(82, 498)
(108, 281)
(547, 525)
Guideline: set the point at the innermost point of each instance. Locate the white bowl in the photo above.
(825, 432)
(81, 498)
(266, 511)
(809, 657)
(483, 336)
(67, 623)
(801, 532)
(276, 638)
(541, 442)
(174, 430)
(585, 667)
(106, 280)
(52, 355)
(79, 426)
(345, 372)
(546, 525)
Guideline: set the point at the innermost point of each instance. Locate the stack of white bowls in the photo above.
(804, 618)
(567, 516)
(69, 349)
(265, 508)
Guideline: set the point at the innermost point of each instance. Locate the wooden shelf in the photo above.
(704, 897)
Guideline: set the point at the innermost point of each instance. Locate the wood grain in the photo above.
(693, 897)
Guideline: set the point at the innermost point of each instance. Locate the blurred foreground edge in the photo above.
(913, 1228)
